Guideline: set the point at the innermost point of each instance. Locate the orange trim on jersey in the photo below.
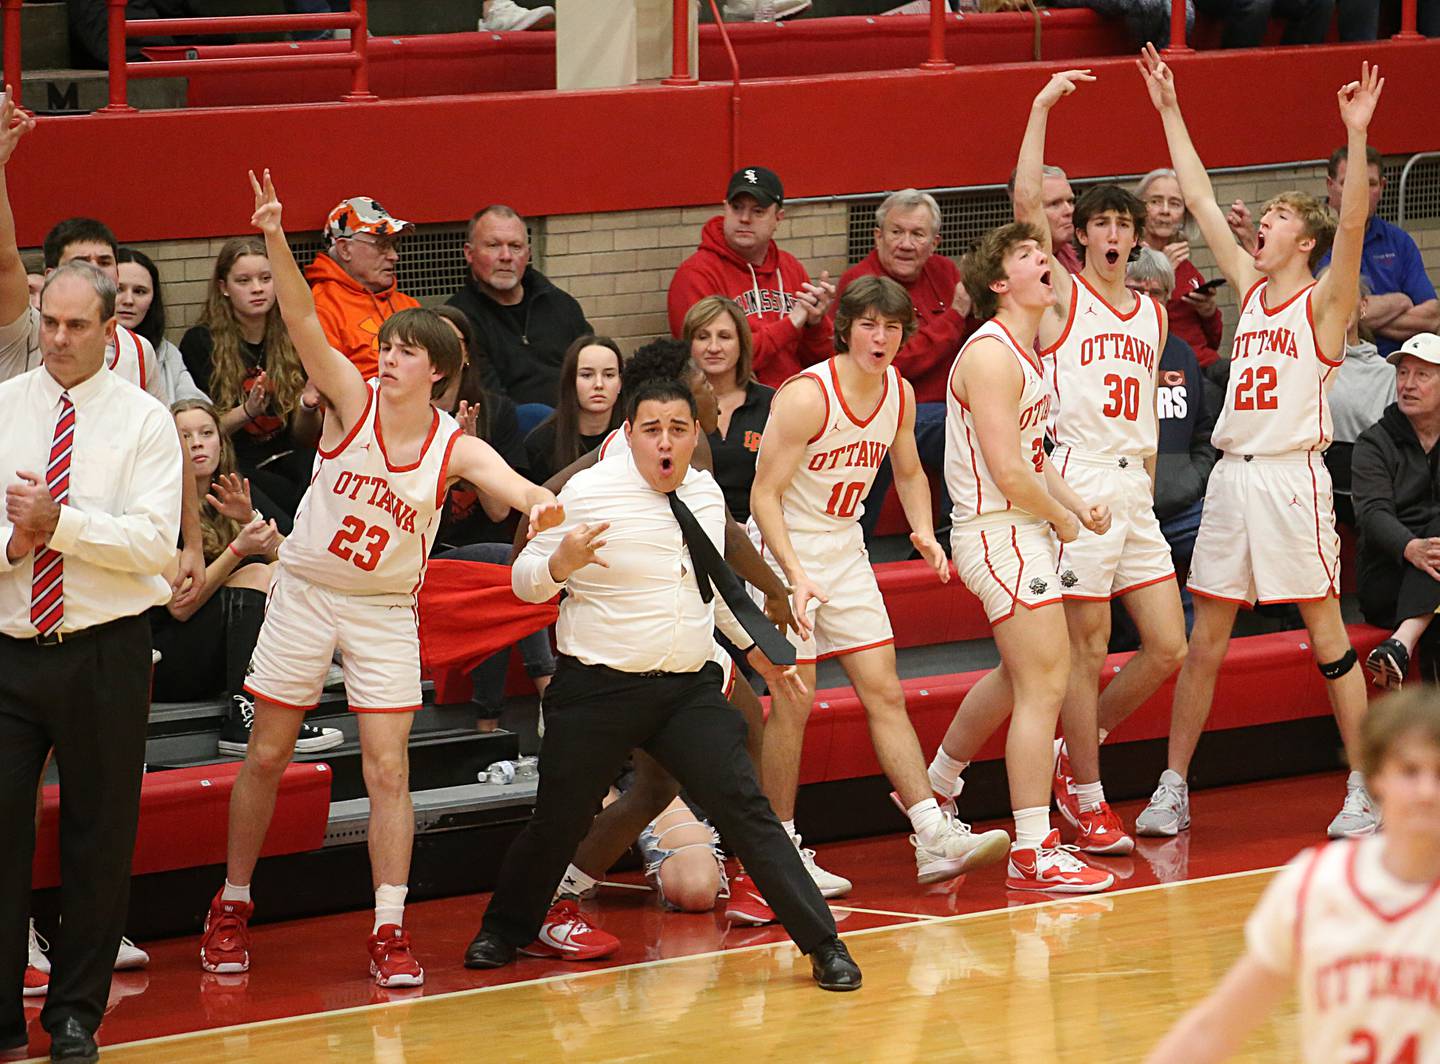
(975, 470)
(276, 702)
(1300, 898)
(386, 709)
(1271, 312)
(1245, 299)
(1315, 336)
(1065, 332)
(840, 395)
(854, 650)
(900, 386)
(445, 467)
(354, 430)
(1032, 606)
(1029, 357)
(1315, 506)
(824, 394)
(380, 439)
(1245, 603)
(1117, 593)
(1139, 301)
(605, 443)
(1369, 903)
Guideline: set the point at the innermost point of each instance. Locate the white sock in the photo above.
(925, 818)
(232, 892)
(575, 883)
(389, 905)
(789, 826)
(1090, 795)
(1103, 736)
(945, 773)
(1031, 827)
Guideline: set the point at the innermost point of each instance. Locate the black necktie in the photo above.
(711, 568)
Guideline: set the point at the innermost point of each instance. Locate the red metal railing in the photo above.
(734, 84)
(121, 30)
(937, 60)
(680, 47)
(1177, 28)
(1407, 22)
(11, 57)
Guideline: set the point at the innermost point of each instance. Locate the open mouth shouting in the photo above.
(667, 466)
(1045, 278)
(1112, 256)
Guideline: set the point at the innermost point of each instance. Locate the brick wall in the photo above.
(619, 264)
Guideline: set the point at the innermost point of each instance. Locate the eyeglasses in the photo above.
(382, 244)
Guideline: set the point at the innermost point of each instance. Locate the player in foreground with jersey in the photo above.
(347, 577)
(1008, 498)
(1106, 342)
(1353, 926)
(1268, 530)
(829, 429)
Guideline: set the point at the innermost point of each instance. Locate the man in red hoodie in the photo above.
(907, 234)
(353, 281)
(738, 258)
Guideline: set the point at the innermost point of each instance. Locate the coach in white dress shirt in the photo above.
(92, 468)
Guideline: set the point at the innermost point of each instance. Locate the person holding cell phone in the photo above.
(1194, 317)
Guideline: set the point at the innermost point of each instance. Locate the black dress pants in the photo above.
(88, 698)
(594, 716)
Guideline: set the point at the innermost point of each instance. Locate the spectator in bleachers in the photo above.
(354, 280)
(1397, 506)
(477, 528)
(523, 322)
(721, 346)
(35, 279)
(240, 355)
(1147, 20)
(1402, 300)
(738, 258)
(1059, 200)
(1363, 388)
(588, 408)
(140, 306)
(1245, 22)
(1194, 317)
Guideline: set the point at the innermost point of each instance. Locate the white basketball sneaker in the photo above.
(828, 883)
(955, 849)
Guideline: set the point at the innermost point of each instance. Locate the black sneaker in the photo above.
(235, 732)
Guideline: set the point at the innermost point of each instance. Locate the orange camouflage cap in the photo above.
(361, 214)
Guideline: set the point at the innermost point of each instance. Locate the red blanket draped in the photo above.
(468, 612)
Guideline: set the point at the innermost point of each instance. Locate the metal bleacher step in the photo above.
(44, 36)
(438, 809)
(66, 91)
(943, 659)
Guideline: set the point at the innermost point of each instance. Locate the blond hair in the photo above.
(1315, 217)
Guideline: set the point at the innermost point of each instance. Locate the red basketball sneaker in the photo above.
(391, 962)
(1102, 832)
(1055, 869)
(1066, 800)
(566, 935)
(225, 944)
(36, 982)
(746, 905)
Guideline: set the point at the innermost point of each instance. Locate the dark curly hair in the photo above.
(665, 359)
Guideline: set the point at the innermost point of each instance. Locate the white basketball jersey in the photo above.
(365, 525)
(1366, 960)
(614, 444)
(1276, 401)
(840, 461)
(1105, 370)
(971, 487)
(132, 358)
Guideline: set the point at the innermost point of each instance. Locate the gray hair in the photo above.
(904, 200)
(1152, 266)
(1149, 179)
(499, 210)
(1046, 170)
(95, 277)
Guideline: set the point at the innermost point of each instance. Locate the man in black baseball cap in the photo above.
(738, 258)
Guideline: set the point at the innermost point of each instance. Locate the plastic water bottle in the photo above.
(764, 10)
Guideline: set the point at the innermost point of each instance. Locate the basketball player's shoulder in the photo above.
(802, 398)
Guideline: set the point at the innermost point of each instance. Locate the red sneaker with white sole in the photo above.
(1063, 783)
(391, 961)
(1102, 832)
(225, 944)
(566, 935)
(1055, 869)
(746, 904)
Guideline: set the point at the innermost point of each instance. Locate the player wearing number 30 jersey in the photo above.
(347, 579)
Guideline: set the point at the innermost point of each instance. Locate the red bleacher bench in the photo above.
(183, 819)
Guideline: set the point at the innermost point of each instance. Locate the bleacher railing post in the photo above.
(1407, 22)
(14, 75)
(680, 46)
(119, 94)
(1177, 28)
(937, 60)
(360, 45)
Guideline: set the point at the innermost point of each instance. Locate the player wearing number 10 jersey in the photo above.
(1268, 530)
(347, 578)
(829, 428)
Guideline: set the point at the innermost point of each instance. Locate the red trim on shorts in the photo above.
(354, 429)
(1245, 603)
(1389, 918)
(429, 436)
(445, 467)
(1314, 336)
(1300, 899)
(1060, 554)
(1293, 601)
(840, 395)
(1065, 332)
(1315, 505)
(1114, 594)
(804, 661)
(276, 702)
(1139, 300)
(985, 552)
(853, 650)
(1029, 606)
(385, 709)
(1145, 584)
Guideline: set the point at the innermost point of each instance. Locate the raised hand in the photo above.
(1242, 224)
(545, 515)
(14, 124)
(579, 548)
(1061, 85)
(467, 415)
(1159, 79)
(229, 495)
(267, 204)
(1358, 98)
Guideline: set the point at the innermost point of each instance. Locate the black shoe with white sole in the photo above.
(235, 732)
(1388, 664)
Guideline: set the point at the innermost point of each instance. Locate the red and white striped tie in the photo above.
(47, 586)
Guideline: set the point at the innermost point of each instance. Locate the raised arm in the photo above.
(1030, 169)
(1339, 289)
(334, 375)
(1234, 262)
(14, 291)
(476, 462)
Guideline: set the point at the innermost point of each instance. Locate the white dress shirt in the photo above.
(20, 352)
(121, 524)
(644, 612)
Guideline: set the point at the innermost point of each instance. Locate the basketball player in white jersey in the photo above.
(347, 577)
(1353, 926)
(1105, 341)
(1268, 530)
(1008, 498)
(829, 428)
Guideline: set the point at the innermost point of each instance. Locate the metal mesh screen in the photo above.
(432, 260)
(964, 216)
(1422, 190)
